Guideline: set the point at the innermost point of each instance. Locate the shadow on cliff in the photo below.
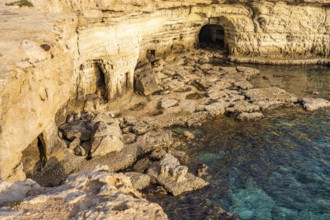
(50, 174)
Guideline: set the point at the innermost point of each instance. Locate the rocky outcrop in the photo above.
(174, 177)
(95, 195)
(59, 53)
(311, 104)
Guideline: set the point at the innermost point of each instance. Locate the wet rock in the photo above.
(311, 104)
(106, 139)
(139, 181)
(201, 170)
(250, 116)
(217, 108)
(272, 95)
(242, 106)
(91, 195)
(175, 178)
(189, 135)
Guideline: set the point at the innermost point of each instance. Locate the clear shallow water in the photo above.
(275, 168)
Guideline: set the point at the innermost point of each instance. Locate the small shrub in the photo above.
(15, 204)
(21, 3)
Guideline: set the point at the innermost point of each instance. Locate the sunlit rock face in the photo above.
(58, 51)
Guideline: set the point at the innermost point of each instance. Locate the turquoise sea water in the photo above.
(274, 168)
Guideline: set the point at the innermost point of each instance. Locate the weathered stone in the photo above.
(175, 178)
(16, 192)
(311, 104)
(129, 138)
(95, 195)
(106, 139)
(142, 165)
(201, 170)
(250, 116)
(217, 108)
(243, 85)
(189, 135)
(66, 50)
(270, 94)
(180, 155)
(146, 83)
(139, 181)
(157, 154)
(242, 106)
(167, 103)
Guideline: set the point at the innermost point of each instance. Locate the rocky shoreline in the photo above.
(138, 141)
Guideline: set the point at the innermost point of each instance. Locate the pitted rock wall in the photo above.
(52, 52)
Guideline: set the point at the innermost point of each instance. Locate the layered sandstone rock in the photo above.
(58, 53)
(95, 195)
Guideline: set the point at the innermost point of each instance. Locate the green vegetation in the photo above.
(21, 3)
(15, 204)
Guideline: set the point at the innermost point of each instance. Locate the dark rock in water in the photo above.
(201, 170)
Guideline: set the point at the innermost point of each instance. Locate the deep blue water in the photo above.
(274, 168)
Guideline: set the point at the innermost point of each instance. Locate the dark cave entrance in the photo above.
(34, 157)
(101, 86)
(212, 36)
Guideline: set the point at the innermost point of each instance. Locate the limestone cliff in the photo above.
(58, 52)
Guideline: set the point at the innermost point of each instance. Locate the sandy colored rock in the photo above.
(174, 177)
(99, 194)
(311, 104)
(139, 181)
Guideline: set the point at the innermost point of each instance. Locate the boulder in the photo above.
(250, 116)
(139, 180)
(217, 108)
(106, 138)
(174, 177)
(146, 82)
(311, 104)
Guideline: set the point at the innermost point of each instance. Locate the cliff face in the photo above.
(58, 51)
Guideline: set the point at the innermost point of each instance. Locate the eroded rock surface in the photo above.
(58, 54)
(174, 177)
(99, 194)
(311, 104)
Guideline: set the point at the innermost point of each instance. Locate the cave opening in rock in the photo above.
(101, 86)
(34, 157)
(212, 36)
